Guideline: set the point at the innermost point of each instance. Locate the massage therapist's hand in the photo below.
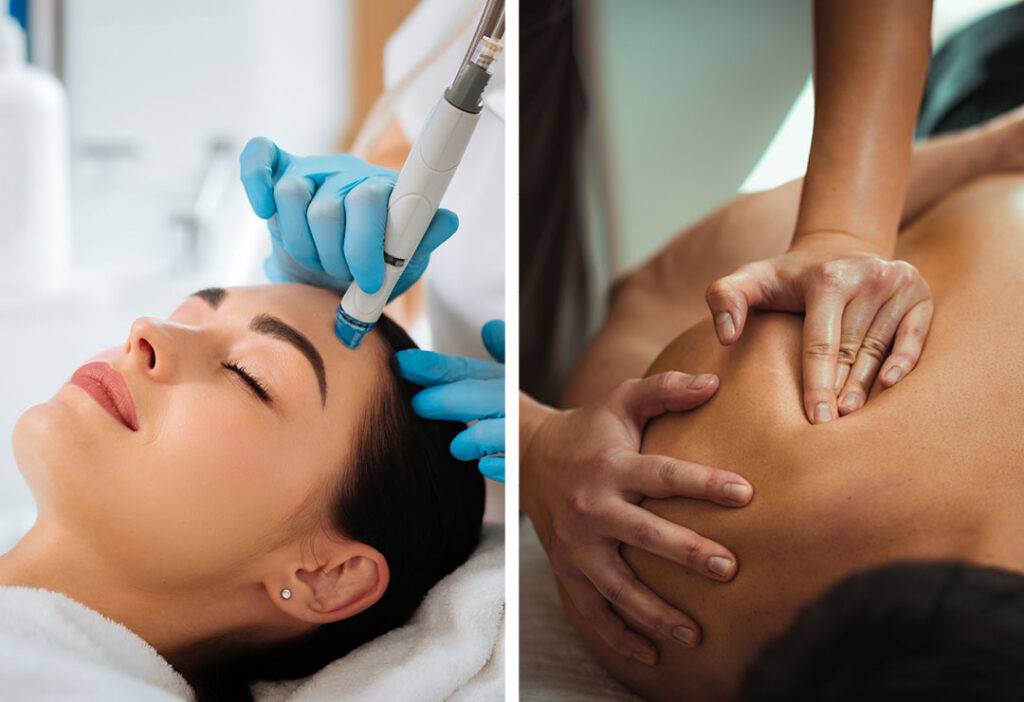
(866, 317)
(465, 390)
(582, 481)
(326, 216)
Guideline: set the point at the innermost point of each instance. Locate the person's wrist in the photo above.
(533, 415)
(838, 242)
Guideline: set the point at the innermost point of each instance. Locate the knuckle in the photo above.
(874, 347)
(916, 332)
(324, 211)
(848, 348)
(616, 591)
(291, 188)
(854, 388)
(668, 474)
(905, 274)
(717, 290)
(606, 460)
(714, 482)
(658, 622)
(380, 187)
(879, 280)
(819, 352)
(361, 196)
(663, 383)
(830, 274)
(370, 191)
(579, 505)
(645, 534)
(904, 268)
(904, 361)
(627, 388)
(694, 556)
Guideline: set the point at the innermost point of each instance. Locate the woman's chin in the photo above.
(43, 439)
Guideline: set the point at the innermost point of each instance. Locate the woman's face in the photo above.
(220, 468)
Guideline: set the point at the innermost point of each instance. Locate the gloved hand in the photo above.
(326, 216)
(465, 390)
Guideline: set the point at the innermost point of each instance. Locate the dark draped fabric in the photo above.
(554, 304)
(977, 74)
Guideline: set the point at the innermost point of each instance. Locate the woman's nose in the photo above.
(153, 348)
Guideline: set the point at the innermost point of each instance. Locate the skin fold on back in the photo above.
(930, 469)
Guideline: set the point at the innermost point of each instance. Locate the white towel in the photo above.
(452, 649)
(55, 649)
(554, 664)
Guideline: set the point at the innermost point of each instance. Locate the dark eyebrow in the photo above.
(272, 326)
(211, 295)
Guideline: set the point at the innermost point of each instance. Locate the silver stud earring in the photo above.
(286, 594)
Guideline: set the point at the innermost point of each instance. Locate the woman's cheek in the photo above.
(222, 437)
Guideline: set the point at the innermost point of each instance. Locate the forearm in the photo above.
(871, 58)
(944, 163)
(758, 225)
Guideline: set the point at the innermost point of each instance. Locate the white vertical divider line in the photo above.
(512, 350)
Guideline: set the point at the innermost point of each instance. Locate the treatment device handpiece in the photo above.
(421, 184)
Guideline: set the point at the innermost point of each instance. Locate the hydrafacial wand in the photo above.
(426, 174)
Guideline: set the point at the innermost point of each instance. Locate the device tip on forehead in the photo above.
(350, 332)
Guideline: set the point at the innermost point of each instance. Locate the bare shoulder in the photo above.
(940, 450)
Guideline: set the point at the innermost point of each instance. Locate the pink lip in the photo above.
(107, 387)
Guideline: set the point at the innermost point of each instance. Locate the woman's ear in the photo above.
(352, 577)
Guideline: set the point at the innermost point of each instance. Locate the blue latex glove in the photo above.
(465, 390)
(326, 216)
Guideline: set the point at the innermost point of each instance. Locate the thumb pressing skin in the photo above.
(670, 391)
(730, 298)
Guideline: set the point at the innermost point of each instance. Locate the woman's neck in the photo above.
(173, 622)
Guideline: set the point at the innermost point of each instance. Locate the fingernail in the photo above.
(822, 413)
(850, 401)
(685, 636)
(725, 325)
(720, 566)
(737, 492)
(893, 374)
(645, 657)
(700, 381)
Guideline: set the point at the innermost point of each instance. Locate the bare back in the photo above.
(932, 468)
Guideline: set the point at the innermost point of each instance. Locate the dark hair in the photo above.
(909, 631)
(405, 495)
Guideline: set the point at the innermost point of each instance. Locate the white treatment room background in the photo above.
(161, 98)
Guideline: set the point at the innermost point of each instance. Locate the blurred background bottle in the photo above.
(35, 239)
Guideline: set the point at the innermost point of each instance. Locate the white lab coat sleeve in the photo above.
(465, 281)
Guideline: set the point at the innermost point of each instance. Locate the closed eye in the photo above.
(257, 387)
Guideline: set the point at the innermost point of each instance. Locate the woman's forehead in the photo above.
(312, 311)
